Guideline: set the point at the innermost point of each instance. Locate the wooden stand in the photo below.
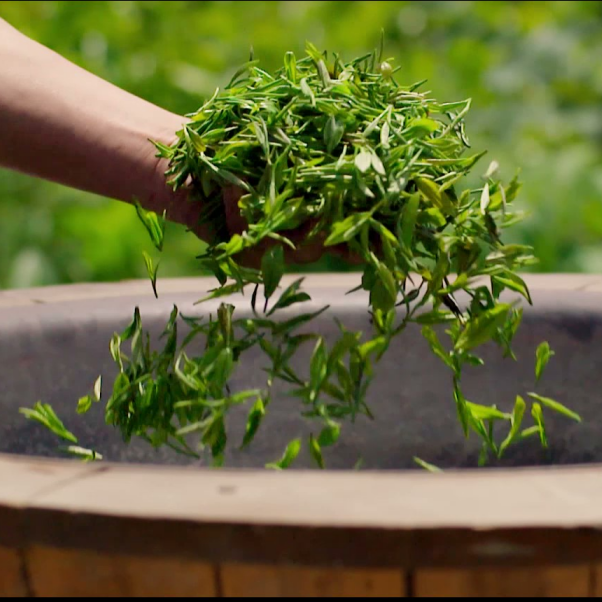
(68, 529)
(73, 530)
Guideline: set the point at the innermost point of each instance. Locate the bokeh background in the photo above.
(533, 69)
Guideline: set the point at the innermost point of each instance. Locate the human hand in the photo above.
(182, 208)
(307, 251)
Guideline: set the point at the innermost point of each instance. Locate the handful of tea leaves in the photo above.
(368, 164)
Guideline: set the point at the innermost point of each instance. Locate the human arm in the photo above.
(61, 123)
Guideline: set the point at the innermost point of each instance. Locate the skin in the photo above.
(61, 123)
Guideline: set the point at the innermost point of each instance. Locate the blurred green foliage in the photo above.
(533, 69)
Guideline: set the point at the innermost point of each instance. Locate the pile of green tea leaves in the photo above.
(366, 163)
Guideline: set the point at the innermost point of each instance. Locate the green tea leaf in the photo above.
(243, 396)
(290, 455)
(306, 89)
(409, 218)
(487, 413)
(387, 279)
(491, 170)
(428, 467)
(439, 273)
(513, 189)
(460, 283)
(188, 380)
(482, 329)
(45, 415)
(462, 408)
(484, 455)
(134, 328)
(261, 133)
(115, 349)
(530, 432)
(347, 229)
(537, 414)
(374, 346)
(378, 166)
(328, 388)
(289, 325)
(215, 437)
(512, 282)
(290, 63)
(196, 141)
(333, 134)
(421, 127)
(329, 435)
(291, 296)
(478, 426)
(272, 268)
(224, 291)
(316, 453)
(431, 193)
(516, 421)
(223, 367)
(254, 299)
(318, 364)
(363, 161)
(154, 225)
(485, 199)
(84, 404)
(433, 340)
(432, 216)
(241, 71)
(555, 406)
(121, 384)
(195, 427)
(152, 272)
(435, 317)
(256, 416)
(543, 356)
(324, 75)
(385, 134)
(87, 455)
(97, 391)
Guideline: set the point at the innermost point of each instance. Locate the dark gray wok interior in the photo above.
(55, 352)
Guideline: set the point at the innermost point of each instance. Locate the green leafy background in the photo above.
(533, 69)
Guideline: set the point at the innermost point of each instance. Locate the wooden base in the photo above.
(50, 572)
(73, 530)
(13, 580)
(246, 581)
(548, 582)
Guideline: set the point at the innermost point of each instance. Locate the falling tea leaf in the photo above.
(543, 356)
(555, 406)
(428, 467)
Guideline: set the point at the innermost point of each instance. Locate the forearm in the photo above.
(61, 123)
